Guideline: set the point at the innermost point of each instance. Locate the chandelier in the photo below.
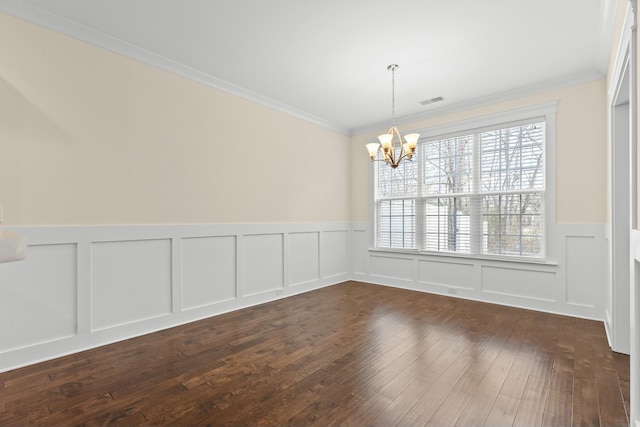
(393, 149)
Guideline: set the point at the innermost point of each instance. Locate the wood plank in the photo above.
(503, 412)
(397, 384)
(534, 399)
(585, 403)
(557, 412)
(367, 412)
(542, 365)
(450, 410)
(611, 412)
(430, 401)
(622, 366)
(516, 380)
(396, 410)
(476, 412)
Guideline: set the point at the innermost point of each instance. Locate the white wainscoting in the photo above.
(82, 287)
(572, 283)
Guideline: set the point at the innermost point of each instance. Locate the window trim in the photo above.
(547, 112)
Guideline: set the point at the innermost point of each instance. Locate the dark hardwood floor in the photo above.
(352, 354)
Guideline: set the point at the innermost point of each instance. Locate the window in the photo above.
(479, 192)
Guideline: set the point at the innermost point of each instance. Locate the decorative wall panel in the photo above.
(335, 253)
(358, 256)
(38, 297)
(450, 274)
(583, 263)
(392, 267)
(527, 283)
(304, 266)
(131, 281)
(263, 263)
(208, 270)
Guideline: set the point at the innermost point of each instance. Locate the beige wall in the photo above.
(581, 191)
(91, 137)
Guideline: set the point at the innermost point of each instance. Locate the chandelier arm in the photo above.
(404, 156)
(395, 130)
(380, 160)
(391, 157)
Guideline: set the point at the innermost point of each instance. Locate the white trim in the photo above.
(621, 56)
(634, 379)
(562, 82)
(463, 256)
(78, 31)
(489, 120)
(618, 284)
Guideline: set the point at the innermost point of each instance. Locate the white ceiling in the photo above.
(326, 60)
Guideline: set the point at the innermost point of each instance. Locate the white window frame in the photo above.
(546, 112)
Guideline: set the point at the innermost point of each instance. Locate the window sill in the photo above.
(471, 257)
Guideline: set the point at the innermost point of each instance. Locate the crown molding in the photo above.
(553, 84)
(81, 32)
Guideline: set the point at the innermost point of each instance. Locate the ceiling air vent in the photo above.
(432, 100)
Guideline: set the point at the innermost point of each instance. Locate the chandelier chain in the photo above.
(393, 94)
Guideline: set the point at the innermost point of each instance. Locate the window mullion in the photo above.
(419, 203)
(476, 198)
